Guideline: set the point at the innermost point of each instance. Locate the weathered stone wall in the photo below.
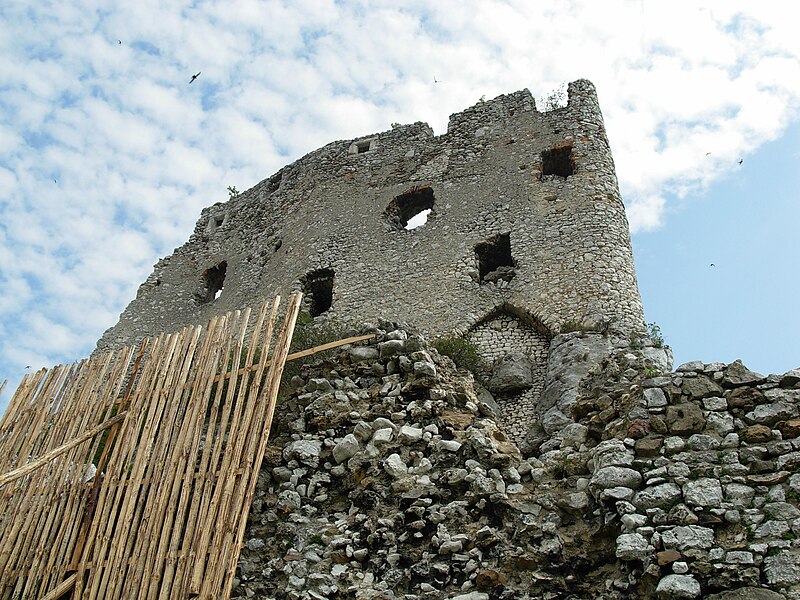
(388, 477)
(335, 215)
(699, 468)
(499, 337)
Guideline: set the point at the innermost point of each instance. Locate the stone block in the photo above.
(685, 419)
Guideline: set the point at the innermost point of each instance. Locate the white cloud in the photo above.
(137, 151)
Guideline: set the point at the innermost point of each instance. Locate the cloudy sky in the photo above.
(108, 153)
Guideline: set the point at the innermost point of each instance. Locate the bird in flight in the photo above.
(707, 153)
(712, 265)
(436, 80)
(194, 77)
(741, 160)
(120, 41)
(28, 367)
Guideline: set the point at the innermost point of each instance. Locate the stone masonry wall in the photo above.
(558, 244)
(388, 477)
(507, 334)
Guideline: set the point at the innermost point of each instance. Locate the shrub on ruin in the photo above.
(309, 333)
(462, 352)
(655, 335)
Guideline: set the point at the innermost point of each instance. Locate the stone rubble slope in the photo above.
(387, 477)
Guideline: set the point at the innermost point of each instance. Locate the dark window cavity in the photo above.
(411, 209)
(274, 182)
(362, 146)
(213, 280)
(558, 161)
(318, 291)
(494, 259)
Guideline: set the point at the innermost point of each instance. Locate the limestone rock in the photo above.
(611, 453)
(655, 397)
(783, 569)
(739, 494)
(363, 354)
(511, 373)
(395, 466)
(471, 596)
(391, 347)
(737, 374)
(609, 477)
(790, 378)
(769, 414)
(662, 495)
(660, 359)
(632, 546)
(486, 402)
(700, 387)
(554, 420)
(409, 435)
(678, 586)
(703, 492)
(696, 366)
(747, 593)
(572, 356)
(684, 537)
(346, 448)
(685, 419)
(304, 451)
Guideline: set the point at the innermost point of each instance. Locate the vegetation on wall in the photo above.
(462, 352)
(308, 333)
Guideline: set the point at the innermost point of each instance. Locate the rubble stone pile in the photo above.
(389, 475)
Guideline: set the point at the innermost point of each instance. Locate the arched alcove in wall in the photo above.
(508, 330)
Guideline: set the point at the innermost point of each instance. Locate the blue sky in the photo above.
(108, 154)
(746, 225)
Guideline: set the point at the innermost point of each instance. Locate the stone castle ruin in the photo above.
(526, 236)
(583, 467)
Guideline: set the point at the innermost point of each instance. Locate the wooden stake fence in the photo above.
(123, 478)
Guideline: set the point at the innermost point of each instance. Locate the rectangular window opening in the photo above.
(558, 161)
(494, 258)
(318, 291)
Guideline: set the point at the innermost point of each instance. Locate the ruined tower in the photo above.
(526, 233)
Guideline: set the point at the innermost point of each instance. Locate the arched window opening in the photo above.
(213, 282)
(411, 209)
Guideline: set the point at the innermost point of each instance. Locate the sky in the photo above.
(108, 152)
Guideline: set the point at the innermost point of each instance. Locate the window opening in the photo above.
(411, 209)
(362, 146)
(274, 182)
(318, 290)
(558, 161)
(418, 220)
(494, 259)
(213, 282)
(219, 220)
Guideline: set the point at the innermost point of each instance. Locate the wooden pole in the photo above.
(43, 460)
